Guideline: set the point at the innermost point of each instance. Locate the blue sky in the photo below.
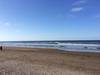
(49, 20)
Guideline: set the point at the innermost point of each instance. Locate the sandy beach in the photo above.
(36, 61)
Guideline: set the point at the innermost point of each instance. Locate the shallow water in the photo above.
(67, 46)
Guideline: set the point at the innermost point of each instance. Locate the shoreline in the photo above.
(63, 51)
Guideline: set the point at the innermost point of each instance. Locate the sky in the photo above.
(23, 20)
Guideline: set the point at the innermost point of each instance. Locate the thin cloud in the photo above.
(17, 31)
(70, 15)
(79, 2)
(76, 9)
(77, 6)
(97, 16)
(7, 24)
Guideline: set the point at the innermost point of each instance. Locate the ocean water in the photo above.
(80, 46)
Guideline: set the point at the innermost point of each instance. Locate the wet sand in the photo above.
(36, 61)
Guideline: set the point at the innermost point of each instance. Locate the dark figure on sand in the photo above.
(1, 48)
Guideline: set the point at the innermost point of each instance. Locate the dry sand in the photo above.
(29, 61)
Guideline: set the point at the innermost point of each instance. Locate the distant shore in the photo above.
(45, 61)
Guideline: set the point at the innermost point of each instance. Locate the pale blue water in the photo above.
(81, 46)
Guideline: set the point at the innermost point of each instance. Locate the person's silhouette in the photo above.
(1, 48)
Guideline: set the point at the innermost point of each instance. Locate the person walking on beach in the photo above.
(1, 48)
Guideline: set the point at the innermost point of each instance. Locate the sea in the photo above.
(66, 45)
